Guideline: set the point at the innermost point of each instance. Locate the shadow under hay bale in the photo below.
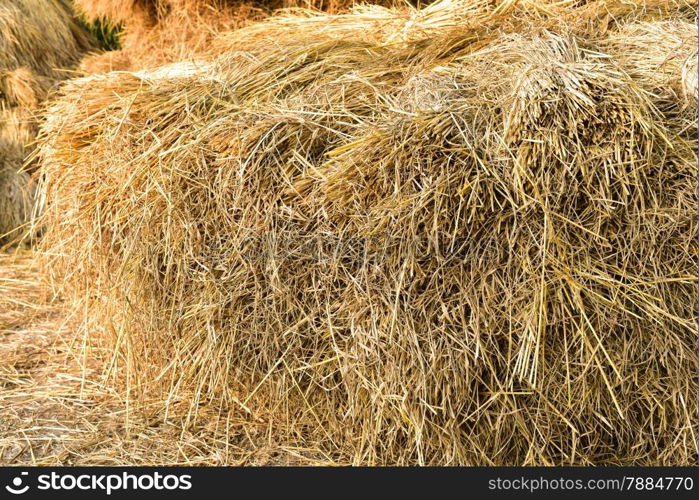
(457, 249)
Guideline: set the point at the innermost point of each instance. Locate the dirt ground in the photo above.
(54, 410)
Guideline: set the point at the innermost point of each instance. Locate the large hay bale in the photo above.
(482, 18)
(39, 42)
(457, 249)
(158, 32)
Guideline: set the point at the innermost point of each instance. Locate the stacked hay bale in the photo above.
(163, 31)
(39, 40)
(468, 241)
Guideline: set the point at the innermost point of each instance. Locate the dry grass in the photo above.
(41, 36)
(469, 242)
(382, 25)
(662, 55)
(34, 378)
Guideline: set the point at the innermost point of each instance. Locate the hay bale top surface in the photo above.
(482, 18)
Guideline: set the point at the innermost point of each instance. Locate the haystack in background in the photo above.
(474, 246)
(164, 31)
(39, 41)
(42, 36)
(151, 12)
(16, 191)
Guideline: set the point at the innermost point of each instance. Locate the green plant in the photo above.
(105, 32)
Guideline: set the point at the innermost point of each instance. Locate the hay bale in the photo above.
(379, 24)
(22, 88)
(151, 12)
(457, 249)
(18, 125)
(117, 10)
(164, 31)
(106, 62)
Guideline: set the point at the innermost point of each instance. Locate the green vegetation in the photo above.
(105, 32)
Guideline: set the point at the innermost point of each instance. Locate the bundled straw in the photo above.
(474, 246)
(38, 41)
(383, 25)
